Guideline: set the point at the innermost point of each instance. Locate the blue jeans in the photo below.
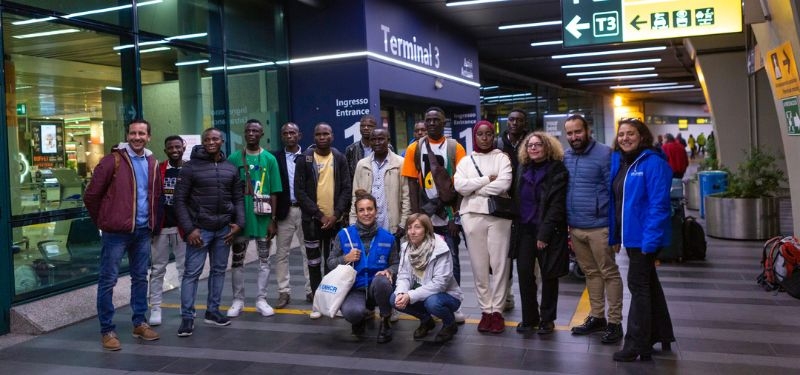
(137, 245)
(441, 305)
(217, 250)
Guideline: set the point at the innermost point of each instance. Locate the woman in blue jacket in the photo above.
(372, 251)
(639, 220)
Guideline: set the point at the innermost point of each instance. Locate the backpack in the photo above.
(780, 259)
(694, 240)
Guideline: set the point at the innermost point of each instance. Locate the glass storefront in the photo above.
(76, 71)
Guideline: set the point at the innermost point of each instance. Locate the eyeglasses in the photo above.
(534, 145)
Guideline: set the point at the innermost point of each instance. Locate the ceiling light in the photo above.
(526, 25)
(186, 36)
(85, 13)
(664, 88)
(456, 3)
(147, 43)
(642, 85)
(612, 52)
(612, 71)
(486, 88)
(510, 96)
(46, 33)
(632, 76)
(547, 43)
(623, 62)
(154, 50)
(113, 88)
(192, 62)
(668, 91)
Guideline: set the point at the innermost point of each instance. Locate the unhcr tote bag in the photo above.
(334, 287)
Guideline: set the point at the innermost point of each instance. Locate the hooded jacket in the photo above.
(111, 198)
(209, 194)
(438, 276)
(646, 208)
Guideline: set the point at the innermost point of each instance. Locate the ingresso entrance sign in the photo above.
(589, 22)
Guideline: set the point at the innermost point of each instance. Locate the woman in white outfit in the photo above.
(488, 173)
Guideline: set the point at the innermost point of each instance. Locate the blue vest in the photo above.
(376, 260)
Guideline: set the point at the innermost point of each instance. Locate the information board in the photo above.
(587, 22)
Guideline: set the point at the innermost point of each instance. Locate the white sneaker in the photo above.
(460, 319)
(315, 315)
(155, 316)
(236, 308)
(264, 308)
(395, 316)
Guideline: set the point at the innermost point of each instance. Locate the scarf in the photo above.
(420, 256)
(366, 233)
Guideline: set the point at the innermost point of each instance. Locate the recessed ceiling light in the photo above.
(612, 52)
(526, 25)
(192, 62)
(643, 85)
(664, 88)
(631, 76)
(456, 3)
(46, 33)
(547, 43)
(612, 71)
(609, 63)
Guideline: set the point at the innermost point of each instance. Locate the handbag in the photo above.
(442, 180)
(334, 287)
(499, 206)
(261, 202)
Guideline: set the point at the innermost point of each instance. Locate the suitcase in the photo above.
(674, 252)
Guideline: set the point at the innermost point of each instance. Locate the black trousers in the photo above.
(532, 311)
(648, 317)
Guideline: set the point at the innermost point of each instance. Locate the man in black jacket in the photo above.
(322, 186)
(288, 214)
(209, 203)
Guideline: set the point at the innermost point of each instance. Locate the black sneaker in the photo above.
(359, 328)
(215, 317)
(591, 324)
(446, 333)
(424, 328)
(613, 333)
(187, 327)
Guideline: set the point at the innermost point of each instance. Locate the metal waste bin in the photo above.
(711, 182)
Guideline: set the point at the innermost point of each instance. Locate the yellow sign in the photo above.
(660, 19)
(782, 71)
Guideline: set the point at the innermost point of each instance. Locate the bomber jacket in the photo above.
(587, 194)
(209, 194)
(438, 276)
(646, 206)
(305, 185)
(110, 197)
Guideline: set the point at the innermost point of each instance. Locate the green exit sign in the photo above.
(22, 109)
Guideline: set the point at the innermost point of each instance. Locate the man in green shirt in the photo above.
(259, 170)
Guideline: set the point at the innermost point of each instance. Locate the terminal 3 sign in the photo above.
(587, 22)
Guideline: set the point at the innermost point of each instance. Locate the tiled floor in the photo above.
(724, 324)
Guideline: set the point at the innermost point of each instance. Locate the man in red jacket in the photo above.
(676, 156)
(121, 200)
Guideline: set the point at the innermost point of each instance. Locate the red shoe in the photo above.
(498, 324)
(486, 322)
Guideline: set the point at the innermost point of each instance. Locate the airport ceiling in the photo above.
(507, 58)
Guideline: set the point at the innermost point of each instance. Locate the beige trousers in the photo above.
(487, 242)
(287, 229)
(598, 262)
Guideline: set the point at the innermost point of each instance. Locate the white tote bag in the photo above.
(334, 287)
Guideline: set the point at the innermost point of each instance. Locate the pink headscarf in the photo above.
(474, 136)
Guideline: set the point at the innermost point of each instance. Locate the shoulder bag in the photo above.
(261, 202)
(334, 287)
(498, 206)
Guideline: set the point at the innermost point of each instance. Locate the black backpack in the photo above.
(694, 240)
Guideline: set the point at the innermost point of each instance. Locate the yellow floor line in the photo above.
(509, 323)
(582, 310)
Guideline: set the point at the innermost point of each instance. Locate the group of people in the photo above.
(397, 220)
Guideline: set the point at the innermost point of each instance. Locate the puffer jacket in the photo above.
(110, 197)
(438, 276)
(646, 208)
(587, 195)
(209, 194)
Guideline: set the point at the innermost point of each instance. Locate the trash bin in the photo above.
(711, 182)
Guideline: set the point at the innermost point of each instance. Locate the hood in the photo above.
(199, 152)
